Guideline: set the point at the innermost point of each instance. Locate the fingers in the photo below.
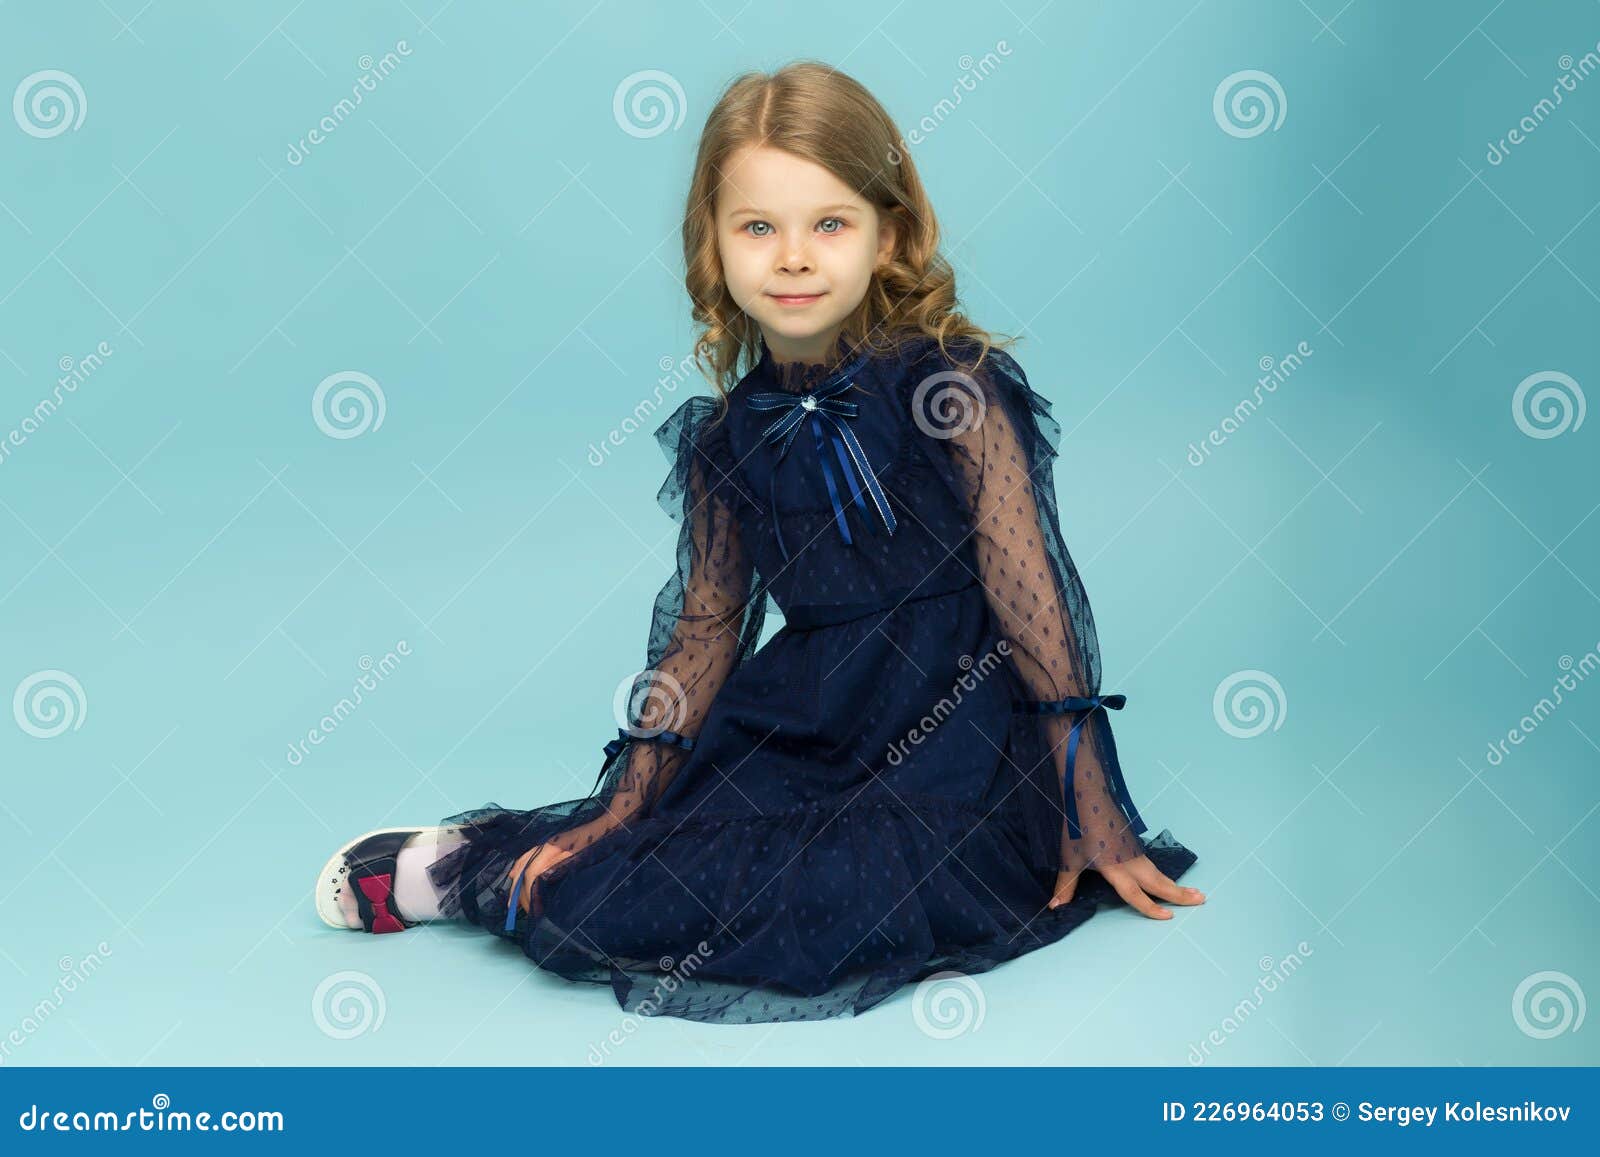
(1122, 879)
(524, 887)
(1134, 879)
(534, 857)
(1157, 883)
(1066, 886)
(533, 864)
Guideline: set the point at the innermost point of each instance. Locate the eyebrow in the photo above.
(743, 209)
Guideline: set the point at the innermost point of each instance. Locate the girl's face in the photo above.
(798, 248)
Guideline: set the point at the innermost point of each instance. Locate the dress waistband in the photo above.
(812, 615)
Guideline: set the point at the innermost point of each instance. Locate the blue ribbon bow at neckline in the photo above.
(824, 403)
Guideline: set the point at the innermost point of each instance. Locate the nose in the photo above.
(796, 258)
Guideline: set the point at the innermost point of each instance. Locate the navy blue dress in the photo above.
(888, 786)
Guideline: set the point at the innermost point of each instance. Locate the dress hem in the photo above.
(943, 853)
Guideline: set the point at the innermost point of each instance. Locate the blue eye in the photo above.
(748, 226)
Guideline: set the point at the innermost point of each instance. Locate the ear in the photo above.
(888, 234)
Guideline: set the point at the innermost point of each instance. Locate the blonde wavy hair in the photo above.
(816, 112)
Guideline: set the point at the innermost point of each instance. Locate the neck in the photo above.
(804, 372)
(817, 348)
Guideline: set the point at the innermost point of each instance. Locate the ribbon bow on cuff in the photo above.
(377, 889)
(1088, 705)
(828, 409)
(624, 737)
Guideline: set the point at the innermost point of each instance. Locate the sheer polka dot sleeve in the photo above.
(706, 620)
(993, 439)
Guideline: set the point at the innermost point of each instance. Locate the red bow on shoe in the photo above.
(377, 889)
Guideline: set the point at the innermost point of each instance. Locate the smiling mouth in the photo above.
(794, 298)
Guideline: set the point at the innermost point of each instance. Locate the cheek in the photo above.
(737, 270)
(853, 257)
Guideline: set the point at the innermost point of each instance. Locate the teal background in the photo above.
(484, 240)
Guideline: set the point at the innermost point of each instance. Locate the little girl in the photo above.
(916, 773)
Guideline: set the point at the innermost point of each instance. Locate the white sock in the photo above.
(414, 893)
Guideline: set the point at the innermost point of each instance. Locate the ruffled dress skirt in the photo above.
(791, 871)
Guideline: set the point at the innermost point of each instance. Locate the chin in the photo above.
(798, 328)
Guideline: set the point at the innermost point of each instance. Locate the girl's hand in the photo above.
(537, 861)
(1132, 879)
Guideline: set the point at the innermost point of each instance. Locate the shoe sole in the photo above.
(322, 895)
